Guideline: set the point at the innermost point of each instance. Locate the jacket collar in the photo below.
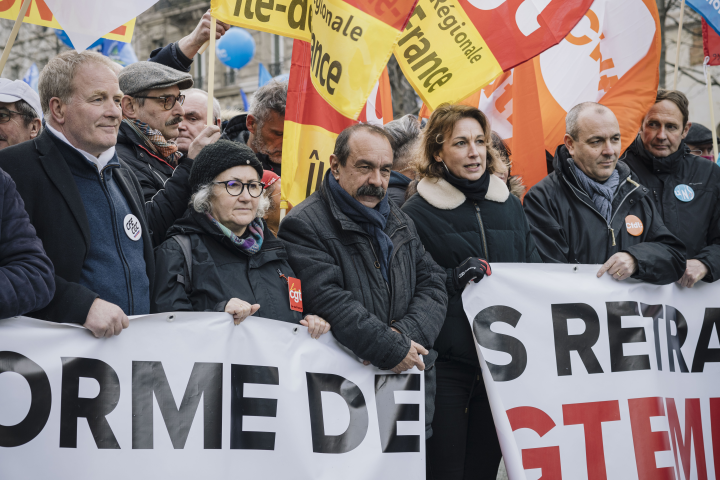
(394, 222)
(668, 164)
(561, 164)
(440, 194)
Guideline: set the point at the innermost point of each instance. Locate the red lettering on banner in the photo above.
(646, 441)
(6, 5)
(545, 458)
(715, 429)
(693, 434)
(43, 10)
(591, 416)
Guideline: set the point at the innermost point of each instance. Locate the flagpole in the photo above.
(677, 49)
(708, 80)
(211, 73)
(13, 34)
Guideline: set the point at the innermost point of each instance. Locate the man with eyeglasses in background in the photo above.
(152, 111)
(20, 113)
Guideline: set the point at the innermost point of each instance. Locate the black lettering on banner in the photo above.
(40, 400)
(251, 407)
(675, 342)
(617, 336)
(299, 23)
(656, 312)
(389, 413)
(94, 410)
(318, 60)
(357, 429)
(318, 181)
(259, 6)
(582, 343)
(502, 343)
(703, 354)
(149, 378)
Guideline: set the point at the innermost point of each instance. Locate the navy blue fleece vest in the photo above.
(115, 265)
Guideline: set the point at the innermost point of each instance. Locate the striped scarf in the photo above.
(155, 141)
(252, 243)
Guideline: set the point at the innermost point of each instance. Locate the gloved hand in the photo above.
(470, 269)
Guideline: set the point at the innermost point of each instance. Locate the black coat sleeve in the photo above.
(547, 233)
(27, 277)
(169, 294)
(170, 203)
(710, 255)
(661, 255)
(171, 56)
(426, 313)
(353, 326)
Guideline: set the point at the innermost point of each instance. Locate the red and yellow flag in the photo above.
(312, 125)
(610, 57)
(39, 14)
(452, 48)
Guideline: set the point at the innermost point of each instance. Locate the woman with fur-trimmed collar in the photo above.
(465, 217)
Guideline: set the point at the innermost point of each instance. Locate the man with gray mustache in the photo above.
(152, 110)
(362, 265)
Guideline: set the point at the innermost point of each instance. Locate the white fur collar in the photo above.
(440, 194)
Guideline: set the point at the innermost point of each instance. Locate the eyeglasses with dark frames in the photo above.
(236, 188)
(6, 114)
(168, 100)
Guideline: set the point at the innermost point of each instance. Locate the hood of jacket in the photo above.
(397, 179)
(236, 129)
(440, 194)
(669, 164)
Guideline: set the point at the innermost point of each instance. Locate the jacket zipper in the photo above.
(612, 231)
(117, 241)
(482, 230)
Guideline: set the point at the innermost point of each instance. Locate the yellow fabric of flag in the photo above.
(288, 18)
(39, 14)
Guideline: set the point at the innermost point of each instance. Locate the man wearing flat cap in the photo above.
(152, 111)
(699, 141)
(86, 205)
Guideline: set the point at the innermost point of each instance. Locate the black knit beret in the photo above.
(218, 157)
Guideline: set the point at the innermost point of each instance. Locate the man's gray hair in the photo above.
(216, 104)
(404, 137)
(28, 113)
(271, 96)
(201, 201)
(56, 79)
(571, 120)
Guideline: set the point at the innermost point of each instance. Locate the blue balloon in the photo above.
(236, 48)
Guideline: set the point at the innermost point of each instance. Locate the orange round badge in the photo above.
(634, 225)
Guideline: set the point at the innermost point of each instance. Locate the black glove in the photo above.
(470, 269)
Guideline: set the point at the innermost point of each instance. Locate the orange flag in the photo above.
(610, 57)
(312, 125)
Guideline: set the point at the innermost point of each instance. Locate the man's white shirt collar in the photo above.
(100, 161)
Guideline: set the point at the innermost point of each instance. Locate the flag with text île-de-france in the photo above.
(452, 48)
(351, 40)
(312, 125)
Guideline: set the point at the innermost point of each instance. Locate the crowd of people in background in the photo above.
(116, 199)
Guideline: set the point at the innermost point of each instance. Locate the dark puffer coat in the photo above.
(453, 228)
(568, 228)
(27, 277)
(697, 222)
(221, 271)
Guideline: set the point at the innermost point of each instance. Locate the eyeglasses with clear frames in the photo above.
(168, 100)
(236, 188)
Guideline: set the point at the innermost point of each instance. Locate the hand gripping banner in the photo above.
(590, 378)
(190, 395)
(452, 48)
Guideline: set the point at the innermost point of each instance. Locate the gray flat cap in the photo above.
(141, 76)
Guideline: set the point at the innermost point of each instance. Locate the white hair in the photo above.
(201, 201)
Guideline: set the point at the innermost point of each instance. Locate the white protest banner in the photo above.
(597, 379)
(190, 395)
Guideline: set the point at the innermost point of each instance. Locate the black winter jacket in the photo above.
(696, 223)
(341, 280)
(171, 56)
(221, 271)
(453, 228)
(568, 228)
(236, 131)
(151, 170)
(56, 210)
(27, 277)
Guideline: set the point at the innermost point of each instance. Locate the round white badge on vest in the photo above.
(684, 193)
(132, 228)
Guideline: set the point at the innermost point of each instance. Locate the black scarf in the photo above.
(475, 190)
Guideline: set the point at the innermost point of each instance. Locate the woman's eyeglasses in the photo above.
(236, 188)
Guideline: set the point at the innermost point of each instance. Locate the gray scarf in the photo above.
(601, 193)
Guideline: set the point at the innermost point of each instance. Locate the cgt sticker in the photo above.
(296, 303)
